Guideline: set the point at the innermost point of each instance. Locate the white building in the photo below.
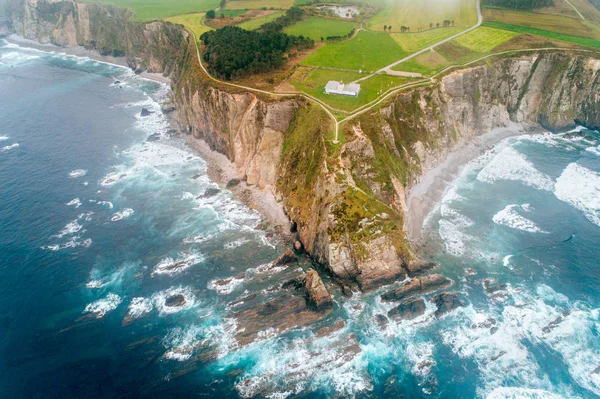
(351, 89)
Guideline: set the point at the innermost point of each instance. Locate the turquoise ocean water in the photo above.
(92, 215)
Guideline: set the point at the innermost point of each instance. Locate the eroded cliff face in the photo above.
(347, 200)
(357, 202)
(110, 30)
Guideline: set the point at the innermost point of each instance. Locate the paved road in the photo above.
(388, 68)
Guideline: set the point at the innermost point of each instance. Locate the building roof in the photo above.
(340, 88)
(333, 85)
(352, 88)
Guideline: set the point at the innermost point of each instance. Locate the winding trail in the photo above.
(388, 68)
(394, 90)
(576, 10)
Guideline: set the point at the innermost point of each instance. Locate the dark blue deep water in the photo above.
(92, 215)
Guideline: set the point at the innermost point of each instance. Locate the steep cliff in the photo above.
(154, 46)
(348, 199)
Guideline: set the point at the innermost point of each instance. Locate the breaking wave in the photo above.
(580, 187)
(102, 306)
(509, 164)
(510, 217)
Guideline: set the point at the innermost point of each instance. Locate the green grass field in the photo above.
(191, 21)
(231, 13)
(484, 39)
(258, 22)
(148, 10)
(426, 64)
(412, 42)
(316, 28)
(258, 4)
(420, 13)
(375, 49)
(313, 82)
(550, 22)
(582, 41)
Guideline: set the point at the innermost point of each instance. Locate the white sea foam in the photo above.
(594, 150)
(3, 138)
(77, 173)
(123, 214)
(107, 203)
(73, 242)
(186, 195)
(580, 187)
(184, 261)
(93, 284)
(196, 239)
(76, 202)
(225, 286)
(500, 356)
(521, 393)
(17, 57)
(510, 217)
(102, 306)
(114, 177)
(506, 260)
(452, 229)
(182, 342)
(509, 164)
(159, 299)
(542, 317)
(236, 243)
(139, 307)
(71, 228)
(9, 147)
(301, 365)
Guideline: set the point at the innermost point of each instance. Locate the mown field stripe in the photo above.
(582, 41)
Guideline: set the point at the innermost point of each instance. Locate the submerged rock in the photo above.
(408, 310)
(446, 302)
(382, 321)
(276, 316)
(175, 301)
(287, 258)
(153, 137)
(417, 286)
(211, 192)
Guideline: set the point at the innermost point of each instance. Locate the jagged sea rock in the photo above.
(175, 301)
(417, 286)
(146, 112)
(316, 292)
(211, 192)
(446, 302)
(287, 258)
(298, 246)
(408, 309)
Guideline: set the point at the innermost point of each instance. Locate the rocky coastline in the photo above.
(356, 209)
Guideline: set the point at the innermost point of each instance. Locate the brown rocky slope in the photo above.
(348, 200)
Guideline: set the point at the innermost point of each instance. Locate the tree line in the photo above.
(519, 4)
(404, 29)
(232, 52)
